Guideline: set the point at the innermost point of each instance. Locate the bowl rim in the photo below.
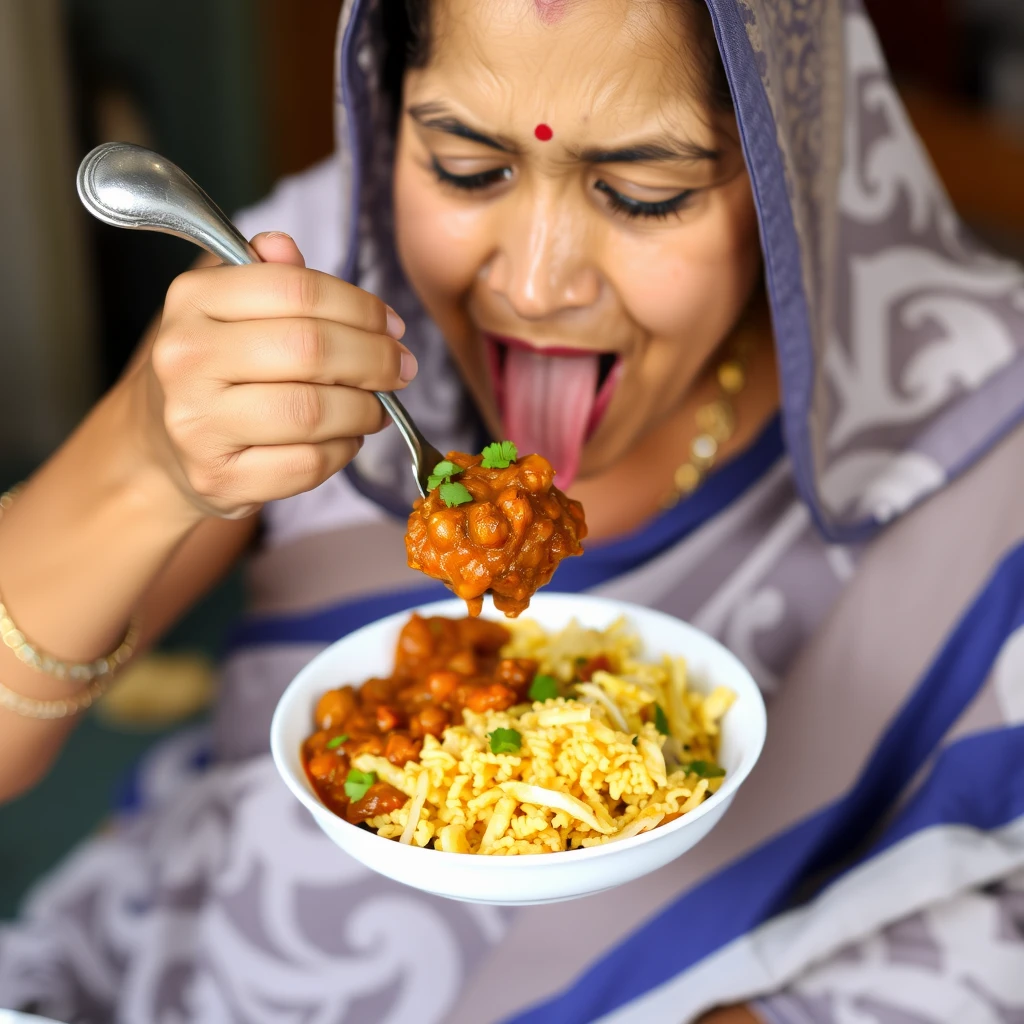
(733, 780)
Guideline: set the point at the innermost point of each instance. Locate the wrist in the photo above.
(145, 474)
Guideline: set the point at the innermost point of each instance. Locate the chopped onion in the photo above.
(678, 718)
(654, 760)
(562, 716)
(641, 823)
(556, 800)
(594, 691)
(418, 800)
(500, 819)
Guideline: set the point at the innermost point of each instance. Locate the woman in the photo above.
(566, 213)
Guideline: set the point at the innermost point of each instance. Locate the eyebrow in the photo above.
(651, 152)
(438, 117)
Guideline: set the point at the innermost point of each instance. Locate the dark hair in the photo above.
(408, 29)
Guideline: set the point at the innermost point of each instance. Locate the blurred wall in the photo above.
(238, 92)
(48, 357)
(187, 80)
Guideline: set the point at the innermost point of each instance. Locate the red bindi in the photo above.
(543, 132)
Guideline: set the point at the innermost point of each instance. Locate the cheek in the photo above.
(695, 281)
(438, 241)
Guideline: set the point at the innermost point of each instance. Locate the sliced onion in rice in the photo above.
(418, 800)
(501, 818)
(595, 692)
(565, 715)
(672, 750)
(643, 822)
(526, 793)
(695, 798)
(678, 717)
(654, 760)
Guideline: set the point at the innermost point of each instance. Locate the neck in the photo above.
(633, 491)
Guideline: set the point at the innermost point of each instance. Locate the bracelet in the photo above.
(97, 675)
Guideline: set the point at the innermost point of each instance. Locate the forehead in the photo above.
(618, 62)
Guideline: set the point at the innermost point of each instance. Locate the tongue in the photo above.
(548, 404)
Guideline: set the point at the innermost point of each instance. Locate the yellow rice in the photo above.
(578, 778)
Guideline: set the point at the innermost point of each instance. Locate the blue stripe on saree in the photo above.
(977, 782)
(602, 562)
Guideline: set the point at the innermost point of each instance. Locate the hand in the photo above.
(259, 383)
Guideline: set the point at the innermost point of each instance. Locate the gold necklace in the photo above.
(716, 423)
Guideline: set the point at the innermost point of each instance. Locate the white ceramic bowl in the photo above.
(539, 878)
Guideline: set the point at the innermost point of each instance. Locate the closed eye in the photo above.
(630, 207)
(471, 182)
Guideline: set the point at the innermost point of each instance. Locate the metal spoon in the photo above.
(131, 187)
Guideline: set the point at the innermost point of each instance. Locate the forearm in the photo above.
(79, 549)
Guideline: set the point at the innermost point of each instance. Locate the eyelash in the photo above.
(618, 202)
(471, 182)
(636, 208)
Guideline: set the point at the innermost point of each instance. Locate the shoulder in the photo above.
(308, 206)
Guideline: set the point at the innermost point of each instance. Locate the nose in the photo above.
(543, 264)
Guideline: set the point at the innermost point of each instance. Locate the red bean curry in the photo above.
(501, 527)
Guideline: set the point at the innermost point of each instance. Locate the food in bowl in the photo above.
(505, 740)
(494, 522)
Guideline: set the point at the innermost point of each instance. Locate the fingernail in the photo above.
(409, 366)
(279, 234)
(396, 325)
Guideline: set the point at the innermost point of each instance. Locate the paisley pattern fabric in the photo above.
(876, 849)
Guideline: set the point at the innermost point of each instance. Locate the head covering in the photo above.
(898, 337)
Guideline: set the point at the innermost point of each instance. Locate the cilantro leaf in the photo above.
(543, 688)
(336, 741)
(358, 783)
(505, 741)
(499, 455)
(660, 720)
(706, 769)
(447, 468)
(455, 494)
(443, 473)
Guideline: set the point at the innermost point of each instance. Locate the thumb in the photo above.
(277, 247)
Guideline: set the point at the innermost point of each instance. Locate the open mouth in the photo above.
(551, 400)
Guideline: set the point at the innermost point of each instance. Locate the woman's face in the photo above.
(573, 215)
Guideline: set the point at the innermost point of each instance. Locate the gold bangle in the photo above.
(97, 675)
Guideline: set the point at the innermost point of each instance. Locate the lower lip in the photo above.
(601, 401)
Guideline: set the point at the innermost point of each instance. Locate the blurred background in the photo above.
(239, 93)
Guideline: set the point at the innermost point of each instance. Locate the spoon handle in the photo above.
(127, 186)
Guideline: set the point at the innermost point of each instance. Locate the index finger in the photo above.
(266, 291)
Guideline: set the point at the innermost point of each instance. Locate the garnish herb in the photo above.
(505, 741)
(660, 720)
(357, 783)
(336, 741)
(451, 494)
(443, 473)
(543, 688)
(706, 769)
(455, 494)
(499, 455)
